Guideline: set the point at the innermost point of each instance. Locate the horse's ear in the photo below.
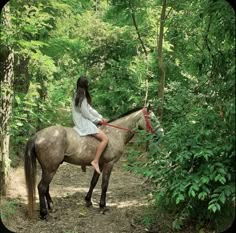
(148, 107)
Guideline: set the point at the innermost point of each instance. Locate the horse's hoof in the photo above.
(44, 217)
(52, 210)
(51, 207)
(103, 210)
(44, 214)
(88, 203)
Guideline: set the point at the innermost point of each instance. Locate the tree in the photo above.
(115, 43)
(7, 77)
(143, 48)
(160, 61)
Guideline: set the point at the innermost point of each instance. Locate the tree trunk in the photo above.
(7, 77)
(160, 62)
(144, 50)
(42, 98)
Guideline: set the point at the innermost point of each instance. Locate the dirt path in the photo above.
(126, 200)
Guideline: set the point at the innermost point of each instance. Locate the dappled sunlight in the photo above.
(125, 199)
(128, 204)
(73, 186)
(16, 187)
(58, 191)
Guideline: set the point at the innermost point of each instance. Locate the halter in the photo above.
(148, 125)
(146, 117)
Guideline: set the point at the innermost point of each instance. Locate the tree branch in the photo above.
(136, 28)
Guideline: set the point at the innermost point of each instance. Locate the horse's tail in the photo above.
(30, 174)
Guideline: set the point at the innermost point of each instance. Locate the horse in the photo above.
(54, 145)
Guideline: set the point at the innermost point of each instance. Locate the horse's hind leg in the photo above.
(92, 186)
(43, 190)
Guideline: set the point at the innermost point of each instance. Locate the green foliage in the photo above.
(8, 209)
(193, 172)
(192, 168)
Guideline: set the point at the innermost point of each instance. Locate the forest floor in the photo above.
(126, 200)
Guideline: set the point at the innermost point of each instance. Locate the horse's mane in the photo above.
(125, 114)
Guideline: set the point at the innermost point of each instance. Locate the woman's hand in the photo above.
(104, 120)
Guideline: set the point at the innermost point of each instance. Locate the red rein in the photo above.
(148, 125)
(115, 126)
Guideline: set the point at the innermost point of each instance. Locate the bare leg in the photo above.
(101, 136)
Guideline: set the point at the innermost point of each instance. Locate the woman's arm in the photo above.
(94, 112)
(90, 113)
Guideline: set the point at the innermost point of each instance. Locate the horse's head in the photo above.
(150, 123)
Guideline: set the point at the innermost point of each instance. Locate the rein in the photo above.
(117, 127)
(148, 125)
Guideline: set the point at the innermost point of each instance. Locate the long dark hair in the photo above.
(82, 91)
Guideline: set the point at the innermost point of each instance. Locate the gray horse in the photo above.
(56, 144)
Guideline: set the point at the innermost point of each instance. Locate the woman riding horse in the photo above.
(86, 119)
(56, 144)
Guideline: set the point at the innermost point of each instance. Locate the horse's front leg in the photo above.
(49, 199)
(105, 181)
(92, 186)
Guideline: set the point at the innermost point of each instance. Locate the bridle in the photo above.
(146, 117)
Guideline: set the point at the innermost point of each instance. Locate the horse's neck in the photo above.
(128, 123)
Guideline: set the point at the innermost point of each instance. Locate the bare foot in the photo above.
(96, 166)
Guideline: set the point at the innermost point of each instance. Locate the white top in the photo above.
(85, 118)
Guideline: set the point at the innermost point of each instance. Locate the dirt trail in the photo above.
(126, 200)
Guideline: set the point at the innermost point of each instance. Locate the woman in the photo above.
(86, 119)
